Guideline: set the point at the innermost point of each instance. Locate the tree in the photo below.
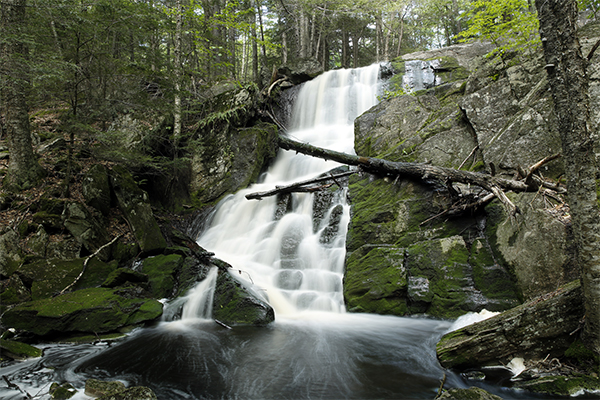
(566, 68)
(23, 168)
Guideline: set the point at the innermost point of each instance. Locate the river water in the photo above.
(314, 349)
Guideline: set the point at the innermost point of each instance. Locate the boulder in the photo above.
(133, 393)
(124, 276)
(13, 291)
(11, 255)
(95, 187)
(534, 330)
(95, 310)
(162, 271)
(49, 277)
(62, 392)
(85, 228)
(98, 388)
(134, 204)
(235, 304)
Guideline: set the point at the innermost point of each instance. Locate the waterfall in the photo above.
(282, 256)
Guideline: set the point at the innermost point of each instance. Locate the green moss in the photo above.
(584, 357)
(18, 349)
(161, 271)
(376, 281)
(562, 385)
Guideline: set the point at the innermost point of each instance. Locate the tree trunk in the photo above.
(566, 68)
(23, 168)
(178, 72)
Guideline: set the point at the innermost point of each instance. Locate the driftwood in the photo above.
(421, 171)
(299, 186)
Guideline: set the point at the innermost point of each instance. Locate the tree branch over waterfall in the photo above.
(417, 171)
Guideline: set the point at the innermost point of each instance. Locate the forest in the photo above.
(127, 126)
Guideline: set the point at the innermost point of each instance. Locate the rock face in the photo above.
(403, 255)
(135, 205)
(230, 152)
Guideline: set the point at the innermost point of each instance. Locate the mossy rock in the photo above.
(123, 276)
(49, 277)
(162, 271)
(234, 304)
(62, 392)
(561, 385)
(83, 226)
(14, 350)
(98, 388)
(472, 393)
(375, 280)
(134, 393)
(95, 310)
(134, 203)
(52, 222)
(13, 291)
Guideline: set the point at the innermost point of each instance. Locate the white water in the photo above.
(283, 258)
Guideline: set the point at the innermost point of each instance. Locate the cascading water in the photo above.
(284, 257)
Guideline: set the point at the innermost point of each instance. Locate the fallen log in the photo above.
(532, 331)
(298, 186)
(422, 171)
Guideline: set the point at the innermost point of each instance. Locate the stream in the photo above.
(314, 349)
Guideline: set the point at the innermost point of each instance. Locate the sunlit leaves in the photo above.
(509, 24)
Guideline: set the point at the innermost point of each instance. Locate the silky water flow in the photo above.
(314, 349)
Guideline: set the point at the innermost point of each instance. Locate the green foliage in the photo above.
(509, 24)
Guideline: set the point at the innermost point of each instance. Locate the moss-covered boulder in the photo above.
(124, 276)
(50, 277)
(94, 310)
(234, 304)
(13, 291)
(558, 385)
(95, 187)
(133, 393)
(62, 391)
(98, 388)
(14, 350)
(162, 273)
(134, 204)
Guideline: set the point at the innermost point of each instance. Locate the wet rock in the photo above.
(98, 388)
(573, 385)
(472, 393)
(95, 310)
(62, 392)
(134, 204)
(14, 350)
(134, 393)
(532, 330)
(376, 281)
(234, 304)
